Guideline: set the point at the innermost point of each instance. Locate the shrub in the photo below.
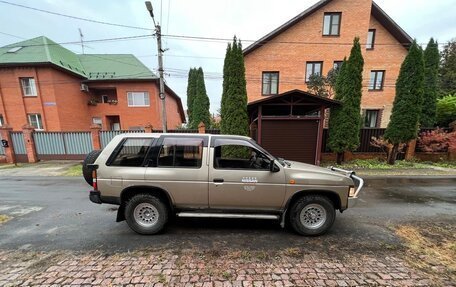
(437, 141)
(446, 110)
(384, 145)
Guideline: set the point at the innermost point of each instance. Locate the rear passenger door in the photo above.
(178, 165)
(125, 166)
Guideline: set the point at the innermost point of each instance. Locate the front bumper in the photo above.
(352, 200)
(95, 196)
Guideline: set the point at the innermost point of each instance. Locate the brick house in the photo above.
(53, 89)
(317, 40)
(288, 120)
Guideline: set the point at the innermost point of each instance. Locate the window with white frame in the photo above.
(97, 121)
(1, 120)
(138, 99)
(28, 87)
(35, 121)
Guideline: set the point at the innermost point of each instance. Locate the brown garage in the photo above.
(290, 125)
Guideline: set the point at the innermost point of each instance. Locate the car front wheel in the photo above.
(312, 215)
(146, 214)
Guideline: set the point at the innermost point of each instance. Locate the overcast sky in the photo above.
(249, 19)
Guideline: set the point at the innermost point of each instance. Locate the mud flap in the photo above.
(121, 213)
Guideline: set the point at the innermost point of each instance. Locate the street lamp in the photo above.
(160, 64)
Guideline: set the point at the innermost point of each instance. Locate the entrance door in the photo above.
(291, 139)
(241, 178)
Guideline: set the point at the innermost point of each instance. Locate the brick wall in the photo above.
(64, 107)
(290, 59)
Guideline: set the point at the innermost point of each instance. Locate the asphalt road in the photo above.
(52, 213)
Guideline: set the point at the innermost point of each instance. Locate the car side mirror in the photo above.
(273, 167)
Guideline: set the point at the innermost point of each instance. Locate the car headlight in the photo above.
(351, 191)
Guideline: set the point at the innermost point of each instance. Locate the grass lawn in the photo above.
(75, 170)
(401, 167)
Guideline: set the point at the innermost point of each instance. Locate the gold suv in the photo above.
(154, 176)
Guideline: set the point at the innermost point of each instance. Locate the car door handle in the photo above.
(218, 180)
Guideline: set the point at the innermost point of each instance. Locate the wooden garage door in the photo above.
(291, 139)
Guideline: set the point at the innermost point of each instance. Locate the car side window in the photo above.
(235, 154)
(181, 152)
(132, 152)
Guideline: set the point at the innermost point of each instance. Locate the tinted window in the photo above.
(181, 152)
(132, 152)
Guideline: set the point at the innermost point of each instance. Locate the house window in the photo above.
(138, 99)
(313, 68)
(28, 87)
(270, 83)
(370, 39)
(104, 99)
(371, 118)
(97, 121)
(376, 80)
(337, 65)
(35, 121)
(331, 24)
(1, 120)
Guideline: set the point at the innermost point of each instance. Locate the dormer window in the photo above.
(331, 24)
(14, 49)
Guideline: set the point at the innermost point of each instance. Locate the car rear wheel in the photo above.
(90, 158)
(146, 214)
(312, 215)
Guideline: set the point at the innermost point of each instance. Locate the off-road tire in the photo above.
(135, 223)
(90, 158)
(317, 202)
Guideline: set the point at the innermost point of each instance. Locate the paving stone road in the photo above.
(291, 268)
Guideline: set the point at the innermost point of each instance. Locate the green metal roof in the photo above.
(114, 66)
(91, 66)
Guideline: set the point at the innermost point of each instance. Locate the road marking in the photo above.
(18, 210)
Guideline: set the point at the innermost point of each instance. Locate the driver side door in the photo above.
(240, 179)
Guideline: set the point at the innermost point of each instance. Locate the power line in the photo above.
(11, 35)
(75, 17)
(125, 38)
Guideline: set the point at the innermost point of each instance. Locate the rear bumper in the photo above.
(95, 196)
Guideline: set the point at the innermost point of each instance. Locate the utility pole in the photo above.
(162, 94)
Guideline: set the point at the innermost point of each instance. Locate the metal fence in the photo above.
(62, 143)
(107, 136)
(18, 143)
(2, 150)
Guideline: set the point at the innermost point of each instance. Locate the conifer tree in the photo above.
(407, 105)
(191, 88)
(201, 104)
(234, 118)
(345, 121)
(431, 74)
